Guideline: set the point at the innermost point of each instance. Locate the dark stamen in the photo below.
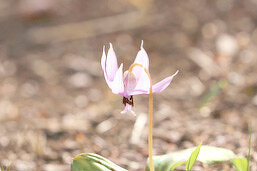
(128, 101)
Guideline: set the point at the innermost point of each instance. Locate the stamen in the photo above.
(128, 101)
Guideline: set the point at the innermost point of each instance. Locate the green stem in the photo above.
(249, 152)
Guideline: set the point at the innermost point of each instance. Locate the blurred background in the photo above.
(55, 104)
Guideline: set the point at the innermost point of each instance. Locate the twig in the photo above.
(85, 29)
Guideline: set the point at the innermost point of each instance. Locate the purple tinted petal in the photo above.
(111, 64)
(117, 85)
(130, 82)
(137, 92)
(141, 58)
(143, 84)
(160, 86)
(103, 63)
(128, 108)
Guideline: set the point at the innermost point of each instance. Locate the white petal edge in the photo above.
(142, 57)
(160, 86)
(111, 64)
(143, 84)
(103, 64)
(117, 85)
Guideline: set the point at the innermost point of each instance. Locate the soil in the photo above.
(55, 104)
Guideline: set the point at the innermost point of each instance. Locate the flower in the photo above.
(129, 83)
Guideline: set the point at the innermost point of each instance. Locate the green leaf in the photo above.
(174, 166)
(207, 154)
(213, 92)
(249, 146)
(240, 164)
(91, 161)
(193, 157)
(164, 163)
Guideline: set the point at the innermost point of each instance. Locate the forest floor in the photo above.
(55, 104)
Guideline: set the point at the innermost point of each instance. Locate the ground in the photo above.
(55, 104)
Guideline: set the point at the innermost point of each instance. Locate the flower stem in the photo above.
(150, 117)
(150, 128)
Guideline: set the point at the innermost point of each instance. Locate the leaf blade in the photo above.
(207, 154)
(193, 157)
(249, 146)
(175, 165)
(240, 164)
(91, 161)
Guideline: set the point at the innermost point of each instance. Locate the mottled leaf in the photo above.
(90, 161)
(207, 154)
(240, 164)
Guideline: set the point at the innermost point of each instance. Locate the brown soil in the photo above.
(55, 104)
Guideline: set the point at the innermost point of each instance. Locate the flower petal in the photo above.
(143, 84)
(142, 57)
(160, 86)
(128, 107)
(130, 82)
(111, 64)
(138, 91)
(103, 64)
(117, 85)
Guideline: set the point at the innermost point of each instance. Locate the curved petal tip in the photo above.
(176, 73)
(142, 44)
(160, 86)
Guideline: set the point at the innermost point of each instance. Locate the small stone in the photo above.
(94, 95)
(24, 165)
(236, 79)
(8, 110)
(4, 141)
(81, 101)
(55, 167)
(74, 122)
(29, 89)
(209, 30)
(227, 45)
(80, 80)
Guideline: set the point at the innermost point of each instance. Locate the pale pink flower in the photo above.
(128, 83)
